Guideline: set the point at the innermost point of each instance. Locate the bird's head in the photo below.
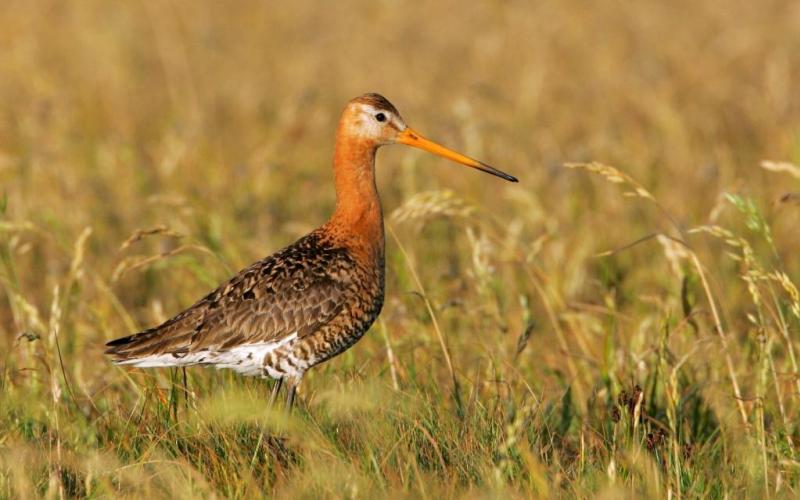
(372, 118)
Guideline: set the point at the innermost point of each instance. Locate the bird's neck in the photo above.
(358, 218)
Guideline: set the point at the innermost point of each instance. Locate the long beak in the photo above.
(410, 137)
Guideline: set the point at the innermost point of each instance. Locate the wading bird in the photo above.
(315, 298)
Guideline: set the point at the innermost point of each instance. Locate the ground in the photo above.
(622, 322)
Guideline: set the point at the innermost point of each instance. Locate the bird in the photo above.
(313, 299)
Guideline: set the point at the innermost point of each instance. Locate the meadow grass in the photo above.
(624, 322)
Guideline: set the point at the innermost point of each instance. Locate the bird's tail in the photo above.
(147, 349)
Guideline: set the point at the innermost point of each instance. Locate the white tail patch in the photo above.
(247, 359)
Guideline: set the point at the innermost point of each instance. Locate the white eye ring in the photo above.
(380, 117)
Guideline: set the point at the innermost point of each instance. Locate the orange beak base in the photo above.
(409, 137)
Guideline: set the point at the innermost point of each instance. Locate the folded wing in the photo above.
(290, 294)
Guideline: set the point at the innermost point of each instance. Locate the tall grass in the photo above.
(624, 327)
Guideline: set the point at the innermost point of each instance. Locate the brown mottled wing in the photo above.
(298, 289)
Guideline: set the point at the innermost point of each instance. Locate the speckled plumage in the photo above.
(299, 307)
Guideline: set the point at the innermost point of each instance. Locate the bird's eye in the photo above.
(380, 117)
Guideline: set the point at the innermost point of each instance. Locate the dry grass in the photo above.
(599, 344)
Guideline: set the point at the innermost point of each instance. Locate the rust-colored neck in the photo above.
(358, 218)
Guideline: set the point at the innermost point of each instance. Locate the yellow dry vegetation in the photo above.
(625, 321)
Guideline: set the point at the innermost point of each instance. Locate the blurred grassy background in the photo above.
(203, 131)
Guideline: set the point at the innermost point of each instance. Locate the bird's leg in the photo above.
(290, 395)
(185, 390)
(276, 388)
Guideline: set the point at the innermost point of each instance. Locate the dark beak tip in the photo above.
(499, 173)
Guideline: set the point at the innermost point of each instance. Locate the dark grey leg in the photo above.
(276, 388)
(185, 390)
(290, 397)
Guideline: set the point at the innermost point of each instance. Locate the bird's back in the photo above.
(283, 314)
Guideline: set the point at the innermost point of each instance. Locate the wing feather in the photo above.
(294, 291)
